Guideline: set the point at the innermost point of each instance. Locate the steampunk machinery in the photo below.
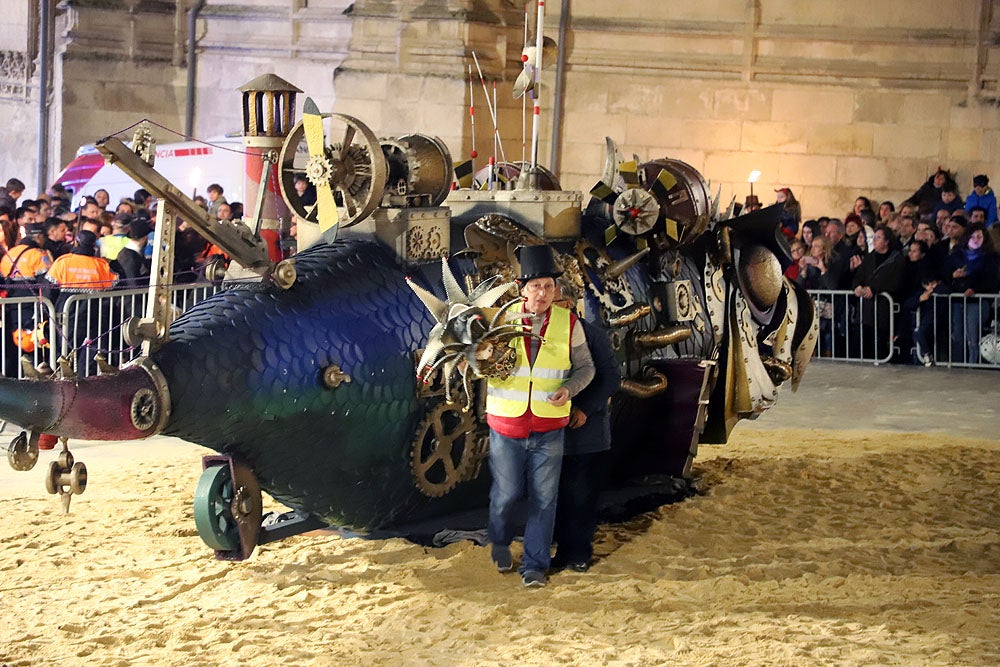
(364, 173)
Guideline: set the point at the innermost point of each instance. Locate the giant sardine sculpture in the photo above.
(353, 394)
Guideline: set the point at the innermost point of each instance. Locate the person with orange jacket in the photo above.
(28, 260)
(81, 270)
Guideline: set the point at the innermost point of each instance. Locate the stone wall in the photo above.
(18, 93)
(830, 99)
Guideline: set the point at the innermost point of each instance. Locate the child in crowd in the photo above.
(982, 196)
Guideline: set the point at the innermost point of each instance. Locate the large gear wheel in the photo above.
(445, 451)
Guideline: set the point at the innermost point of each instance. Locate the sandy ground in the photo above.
(805, 547)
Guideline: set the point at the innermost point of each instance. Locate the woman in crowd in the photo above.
(973, 269)
(884, 210)
(810, 230)
(818, 271)
(798, 252)
(880, 272)
(861, 204)
(929, 194)
(857, 242)
(8, 230)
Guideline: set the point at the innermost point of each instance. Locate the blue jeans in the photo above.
(968, 316)
(517, 465)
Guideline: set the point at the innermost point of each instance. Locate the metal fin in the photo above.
(621, 266)
(437, 307)
(452, 289)
(488, 298)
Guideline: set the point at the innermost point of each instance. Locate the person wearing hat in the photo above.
(21, 266)
(132, 265)
(527, 412)
(984, 197)
(28, 260)
(82, 271)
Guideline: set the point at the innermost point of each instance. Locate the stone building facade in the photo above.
(830, 99)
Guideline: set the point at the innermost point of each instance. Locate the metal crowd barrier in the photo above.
(960, 331)
(32, 318)
(853, 328)
(88, 325)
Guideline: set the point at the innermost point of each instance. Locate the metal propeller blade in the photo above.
(326, 205)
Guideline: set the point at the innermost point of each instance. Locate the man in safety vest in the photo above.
(527, 413)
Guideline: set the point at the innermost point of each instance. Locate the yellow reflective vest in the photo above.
(530, 385)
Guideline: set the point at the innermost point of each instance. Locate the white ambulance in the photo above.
(191, 166)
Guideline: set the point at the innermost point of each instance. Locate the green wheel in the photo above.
(213, 514)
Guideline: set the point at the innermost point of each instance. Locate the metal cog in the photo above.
(432, 456)
(318, 169)
(246, 506)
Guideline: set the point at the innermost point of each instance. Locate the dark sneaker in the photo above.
(533, 579)
(580, 566)
(502, 558)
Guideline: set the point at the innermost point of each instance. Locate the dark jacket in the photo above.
(915, 276)
(883, 277)
(981, 271)
(595, 435)
(132, 267)
(57, 248)
(927, 196)
(811, 278)
(6, 200)
(937, 258)
(955, 205)
(840, 266)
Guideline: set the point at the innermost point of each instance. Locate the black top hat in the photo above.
(536, 261)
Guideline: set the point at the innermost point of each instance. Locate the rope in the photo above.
(186, 137)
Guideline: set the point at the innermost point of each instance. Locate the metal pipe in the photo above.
(557, 98)
(192, 68)
(652, 383)
(44, 65)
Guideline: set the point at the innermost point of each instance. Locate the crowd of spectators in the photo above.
(55, 247)
(935, 243)
(36, 233)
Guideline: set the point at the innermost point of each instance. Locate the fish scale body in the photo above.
(340, 453)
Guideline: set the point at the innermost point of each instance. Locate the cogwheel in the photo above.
(480, 450)
(246, 507)
(445, 451)
(318, 169)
